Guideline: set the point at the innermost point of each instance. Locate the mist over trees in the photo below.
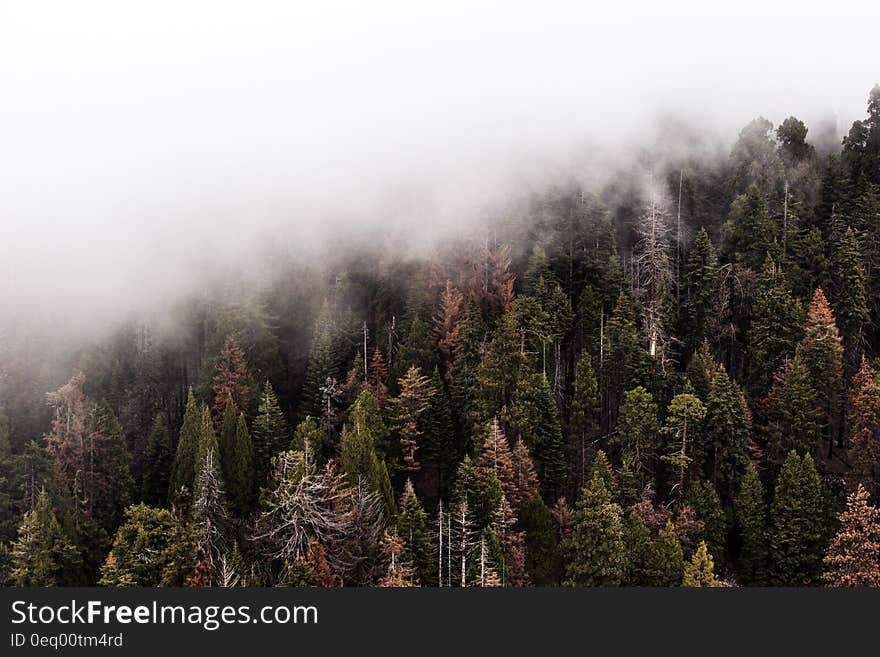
(670, 379)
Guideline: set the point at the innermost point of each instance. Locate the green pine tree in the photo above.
(158, 463)
(43, 555)
(666, 559)
(543, 562)
(412, 528)
(270, 432)
(701, 569)
(701, 284)
(751, 517)
(184, 471)
(595, 552)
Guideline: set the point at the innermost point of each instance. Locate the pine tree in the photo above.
(792, 412)
(496, 457)
(584, 423)
(700, 572)
(864, 422)
(438, 441)
(683, 421)
(158, 463)
(637, 540)
(447, 326)
(853, 558)
(849, 296)
(798, 534)
(208, 444)
(377, 377)
(624, 363)
(666, 560)
(43, 555)
(239, 475)
(324, 362)
(726, 434)
(150, 549)
(751, 516)
(821, 349)
(595, 551)
(270, 432)
(533, 417)
(358, 456)
(700, 289)
(231, 381)
(184, 472)
(499, 370)
(777, 321)
(409, 407)
(637, 430)
(412, 529)
(706, 506)
(308, 439)
(543, 562)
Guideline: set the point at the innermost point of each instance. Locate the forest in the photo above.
(670, 379)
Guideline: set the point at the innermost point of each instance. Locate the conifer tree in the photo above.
(43, 555)
(525, 478)
(726, 434)
(150, 549)
(666, 560)
(821, 349)
(637, 431)
(438, 442)
(499, 370)
(637, 540)
(700, 572)
(324, 362)
(595, 551)
(270, 432)
(682, 428)
(184, 472)
(849, 297)
(777, 321)
(447, 326)
(496, 457)
(706, 506)
(584, 423)
(208, 444)
(543, 562)
(231, 381)
(853, 558)
(751, 517)
(158, 463)
(792, 412)
(409, 406)
(308, 439)
(798, 534)
(624, 364)
(209, 516)
(240, 480)
(700, 289)
(377, 377)
(412, 529)
(864, 422)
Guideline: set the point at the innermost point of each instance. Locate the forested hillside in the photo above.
(671, 379)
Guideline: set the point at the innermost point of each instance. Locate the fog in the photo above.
(145, 145)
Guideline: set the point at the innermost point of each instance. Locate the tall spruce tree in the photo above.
(43, 555)
(585, 406)
(637, 432)
(849, 297)
(701, 283)
(726, 430)
(184, 471)
(412, 529)
(751, 518)
(543, 561)
(799, 524)
(270, 432)
(158, 463)
(595, 551)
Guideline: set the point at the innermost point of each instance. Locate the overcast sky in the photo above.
(143, 141)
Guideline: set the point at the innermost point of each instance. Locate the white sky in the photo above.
(140, 141)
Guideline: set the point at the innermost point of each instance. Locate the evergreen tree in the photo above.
(624, 364)
(683, 420)
(751, 516)
(158, 463)
(584, 423)
(595, 551)
(637, 430)
(43, 555)
(849, 296)
(704, 501)
(208, 444)
(637, 540)
(543, 562)
(409, 407)
(412, 529)
(777, 321)
(499, 370)
(438, 441)
(308, 439)
(799, 529)
(700, 289)
(358, 458)
(270, 432)
(666, 561)
(231, 381)
(864, 422)
(324, 362)
(853, 558)
(792, 412)
(700, 571)
(726, 434)
(240, 476)
(184, 472)
(821, 349)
